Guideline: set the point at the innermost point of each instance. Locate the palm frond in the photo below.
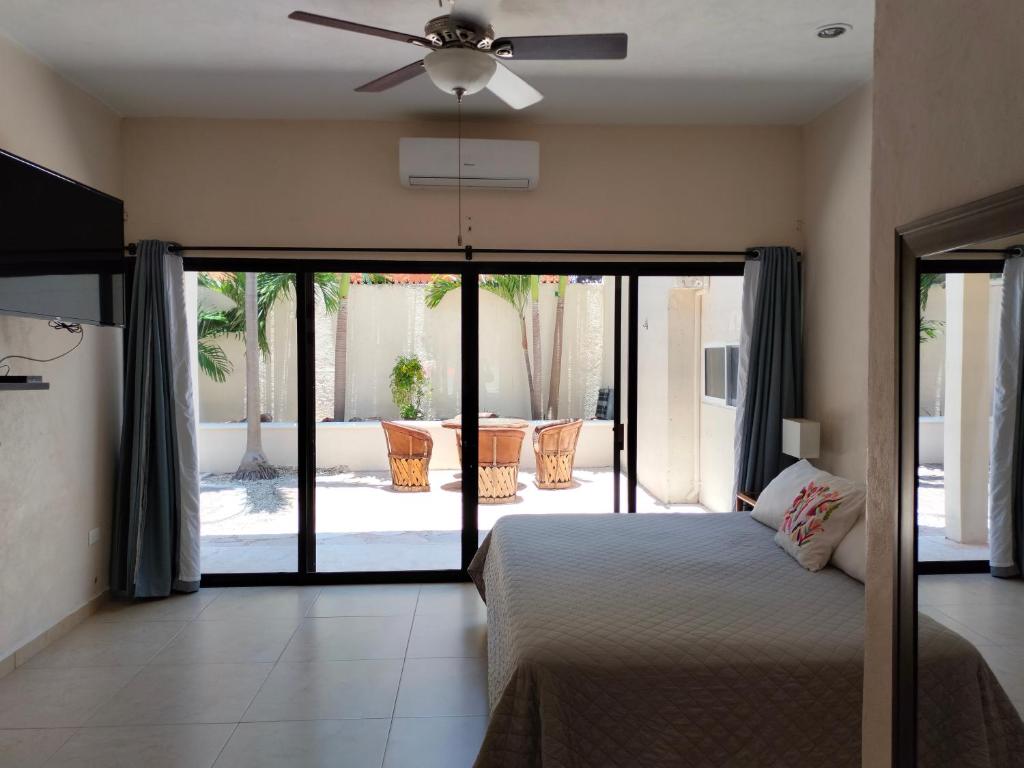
(515, 289)
(213, 361)
(928, 329)
(212, 323)
(327, 288)
(439, 287)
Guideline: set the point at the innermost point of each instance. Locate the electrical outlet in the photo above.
(94, 536)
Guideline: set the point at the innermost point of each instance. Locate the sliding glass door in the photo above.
(547, 355)
(387, 386)
(247, 401)
(358, 460)
(688, 333)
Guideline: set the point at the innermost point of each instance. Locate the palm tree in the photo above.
(556, 349)
(515, 289)
(341, 346)
(254, 464)
(536, 406)
(253, 296)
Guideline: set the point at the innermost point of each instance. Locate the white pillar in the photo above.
(683, 406)
(968, 405)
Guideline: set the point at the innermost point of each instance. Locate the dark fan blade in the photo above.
(351, 26)
(391, 79)
(553, 47)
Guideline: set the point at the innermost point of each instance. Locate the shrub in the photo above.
(408, 386)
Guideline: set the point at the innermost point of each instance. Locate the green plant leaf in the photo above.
(408, 386)
(213, 361)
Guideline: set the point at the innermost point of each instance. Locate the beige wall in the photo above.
(836, 194)
(58, 448)
(947, 117)
(322, 183)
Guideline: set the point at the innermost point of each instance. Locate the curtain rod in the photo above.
(467, 251)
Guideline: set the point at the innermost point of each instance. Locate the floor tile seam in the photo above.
(224, 746)
(273, 666)
(50, 759)
(401, 674)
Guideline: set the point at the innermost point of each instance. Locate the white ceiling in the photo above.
(690, 61)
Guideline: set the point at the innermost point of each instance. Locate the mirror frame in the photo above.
(990, 218)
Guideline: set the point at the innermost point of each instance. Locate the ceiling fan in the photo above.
(464, 55)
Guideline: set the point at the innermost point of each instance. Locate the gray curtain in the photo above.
(154, 549)
(1006, 479)
(770, 381)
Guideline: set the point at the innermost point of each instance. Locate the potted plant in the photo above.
(408, 386)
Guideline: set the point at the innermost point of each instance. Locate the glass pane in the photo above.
(245, 384)
(546, 381)
(714, 372)
(685, 422)
(957, 344)
(388, 370)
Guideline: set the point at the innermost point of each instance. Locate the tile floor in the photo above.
(990, 613)
(348, 676)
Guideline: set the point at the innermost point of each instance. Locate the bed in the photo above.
(693, 640)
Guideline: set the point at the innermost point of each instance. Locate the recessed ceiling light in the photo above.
(830, 31)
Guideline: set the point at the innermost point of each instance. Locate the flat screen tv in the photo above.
(61, 246)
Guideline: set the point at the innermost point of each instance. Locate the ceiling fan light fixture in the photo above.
(456, 70)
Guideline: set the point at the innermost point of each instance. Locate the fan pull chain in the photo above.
(459, 96)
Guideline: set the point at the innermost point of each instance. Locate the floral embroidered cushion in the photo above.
(776, 498)
(818, 519)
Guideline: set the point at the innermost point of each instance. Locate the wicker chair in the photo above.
(498, 466)
(409, 452)
(554, 445)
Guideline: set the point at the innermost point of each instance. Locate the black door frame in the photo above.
(469, 272)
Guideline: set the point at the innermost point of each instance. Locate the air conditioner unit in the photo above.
(486, 163)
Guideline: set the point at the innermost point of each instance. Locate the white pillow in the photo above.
(774, 500)
(820, 516)
(852, 553)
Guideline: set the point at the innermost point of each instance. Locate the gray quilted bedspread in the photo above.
(693, 640)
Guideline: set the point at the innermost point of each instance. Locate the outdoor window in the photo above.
(721, 366)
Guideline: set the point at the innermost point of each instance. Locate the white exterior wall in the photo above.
(385, 321)
(360, 446)
(720, 324)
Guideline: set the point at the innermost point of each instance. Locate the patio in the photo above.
(363, 525)
(931, 521)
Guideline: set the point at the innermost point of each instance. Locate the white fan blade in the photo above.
(512, 89)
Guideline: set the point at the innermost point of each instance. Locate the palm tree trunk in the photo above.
(254, 464)
(341, 348)
(556, 350)
(526, 358)
(536, 407)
